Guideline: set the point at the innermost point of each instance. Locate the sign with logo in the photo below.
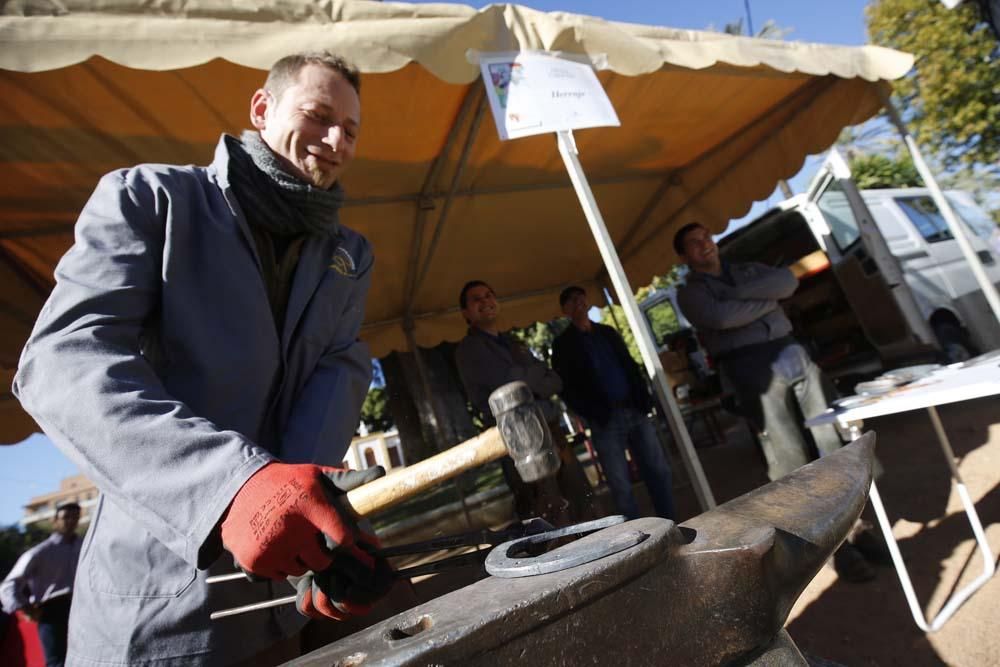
(533, 93)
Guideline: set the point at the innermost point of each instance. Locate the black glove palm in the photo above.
(357, 577)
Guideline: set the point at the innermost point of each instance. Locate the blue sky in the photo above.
(36, 466)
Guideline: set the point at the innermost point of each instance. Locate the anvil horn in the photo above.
(714, 590)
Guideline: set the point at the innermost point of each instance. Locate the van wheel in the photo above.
(955, 344)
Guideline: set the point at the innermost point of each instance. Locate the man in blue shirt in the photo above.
(602, 384)
(41, 583)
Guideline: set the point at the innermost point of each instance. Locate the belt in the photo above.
(756, 348)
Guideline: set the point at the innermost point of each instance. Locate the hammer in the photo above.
(521, 432)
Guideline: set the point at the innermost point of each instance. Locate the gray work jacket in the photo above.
(156, 366)
(486, 362)
(731, 316)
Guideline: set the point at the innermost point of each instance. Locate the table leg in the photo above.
(989, 566)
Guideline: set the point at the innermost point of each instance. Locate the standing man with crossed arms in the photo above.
(199, 360)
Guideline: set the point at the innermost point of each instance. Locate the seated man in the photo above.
(603, 384)
(488, 359)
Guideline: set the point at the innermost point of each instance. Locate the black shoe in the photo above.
(872, 546)
(851, 566)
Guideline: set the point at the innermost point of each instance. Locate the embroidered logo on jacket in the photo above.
(343, 263)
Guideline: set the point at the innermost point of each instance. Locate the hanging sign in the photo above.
(536, 92)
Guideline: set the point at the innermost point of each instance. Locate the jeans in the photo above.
(628, 427)
(769, 382)
(53, 628)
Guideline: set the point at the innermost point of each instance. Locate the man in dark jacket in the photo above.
(602, 384)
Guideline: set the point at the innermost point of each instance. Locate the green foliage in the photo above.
(662, 320)
(538, 337)
(13, 543)
(950, 99)
(375, 410)
(879, 171)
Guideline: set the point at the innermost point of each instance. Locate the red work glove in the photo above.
(285, 522)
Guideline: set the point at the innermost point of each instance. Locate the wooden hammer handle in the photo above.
(407, 482)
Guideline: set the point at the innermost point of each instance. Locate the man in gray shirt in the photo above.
(735, 309)
(487, 359)
(41, 583)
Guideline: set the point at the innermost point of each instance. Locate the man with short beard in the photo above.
(199, 360)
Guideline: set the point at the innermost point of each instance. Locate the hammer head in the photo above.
(522, 426)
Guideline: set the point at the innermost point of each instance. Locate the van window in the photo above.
(925, 217)
(837, 211)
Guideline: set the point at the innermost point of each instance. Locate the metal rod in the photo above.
(267, 604)
(949, 453)
(957, 231)
(654, 368)
(232, 576)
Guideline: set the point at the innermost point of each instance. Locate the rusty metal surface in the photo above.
(715, 590)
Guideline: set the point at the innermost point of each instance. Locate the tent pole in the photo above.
(567, 149)
(957, 231)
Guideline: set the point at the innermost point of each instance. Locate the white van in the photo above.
(935, 268)
(891, 285)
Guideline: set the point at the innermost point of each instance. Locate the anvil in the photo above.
(715, 590)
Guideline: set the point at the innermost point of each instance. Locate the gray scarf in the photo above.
(274, 200)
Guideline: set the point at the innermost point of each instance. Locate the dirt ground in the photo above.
(870, 623)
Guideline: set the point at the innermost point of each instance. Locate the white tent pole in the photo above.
(957, 230)
(654, 368)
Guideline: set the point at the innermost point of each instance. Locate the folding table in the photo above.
(975, 378)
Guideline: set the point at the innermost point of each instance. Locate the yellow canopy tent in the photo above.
(709, 123)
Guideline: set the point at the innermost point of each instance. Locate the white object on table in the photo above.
(949, 385)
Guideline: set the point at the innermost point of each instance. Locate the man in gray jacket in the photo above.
(487, 359)
(735, 309)
(199, 360)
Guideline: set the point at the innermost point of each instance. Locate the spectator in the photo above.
(602, 383)
(736, 311)
(487, 359)
(41, 583)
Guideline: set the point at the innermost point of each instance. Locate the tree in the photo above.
(13, 543)
(879, 171)
(950, 99)
(375, 410)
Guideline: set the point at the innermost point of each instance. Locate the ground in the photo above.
(870, 623)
